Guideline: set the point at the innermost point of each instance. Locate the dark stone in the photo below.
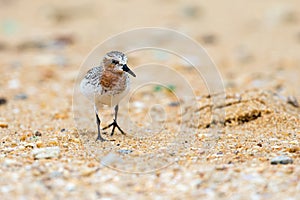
(2, 101)
(281, 160)
(21, 96)
(38, 134)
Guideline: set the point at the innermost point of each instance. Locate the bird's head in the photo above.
(117, 61)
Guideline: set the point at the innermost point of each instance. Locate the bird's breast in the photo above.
(113, 83)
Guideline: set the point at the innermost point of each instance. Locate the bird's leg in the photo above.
(114, 124)
(98, 121)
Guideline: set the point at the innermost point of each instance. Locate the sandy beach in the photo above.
(242, 143)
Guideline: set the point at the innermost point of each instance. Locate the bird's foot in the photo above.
(100, 138)
(114, 124)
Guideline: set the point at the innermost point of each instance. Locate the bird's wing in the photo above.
(90, 84)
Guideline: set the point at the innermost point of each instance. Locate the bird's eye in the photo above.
(115, 62)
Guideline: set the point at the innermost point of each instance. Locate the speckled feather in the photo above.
(106, 85)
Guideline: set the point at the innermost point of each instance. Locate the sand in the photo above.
(245, 146)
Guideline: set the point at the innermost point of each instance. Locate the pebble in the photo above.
(3, 101)
(39, 144)
(20, 96)
(88, 171)
(13, 84)
(37, 133)
(55, 174)
(220, 167)
(138, 104)
(294, 149)
(29, 144)
(70, 187)
(16, 110)
(3, 124)
(191, 11)
(174, 104)
(46, 152)
(281, 160)
(125, 151)
(293, 101)
(209, 39)
(53, 142)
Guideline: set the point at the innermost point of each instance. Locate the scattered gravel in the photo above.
(281, 160)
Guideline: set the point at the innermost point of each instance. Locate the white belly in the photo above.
(98, 96)
(110, 100)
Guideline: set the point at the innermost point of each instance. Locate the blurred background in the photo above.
(253, 43)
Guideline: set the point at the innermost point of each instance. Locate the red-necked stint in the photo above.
(107, 84)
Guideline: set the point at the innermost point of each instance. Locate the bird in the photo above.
(107, 84)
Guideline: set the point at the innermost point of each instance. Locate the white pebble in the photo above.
(14, 84)
(138, 104)
(47, 152)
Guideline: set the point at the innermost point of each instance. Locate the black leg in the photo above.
(116, 111)
(114, 123)
(99, 137)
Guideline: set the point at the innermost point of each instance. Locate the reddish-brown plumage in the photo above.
(112, 79)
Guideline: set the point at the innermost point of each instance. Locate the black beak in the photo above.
(126, 69)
